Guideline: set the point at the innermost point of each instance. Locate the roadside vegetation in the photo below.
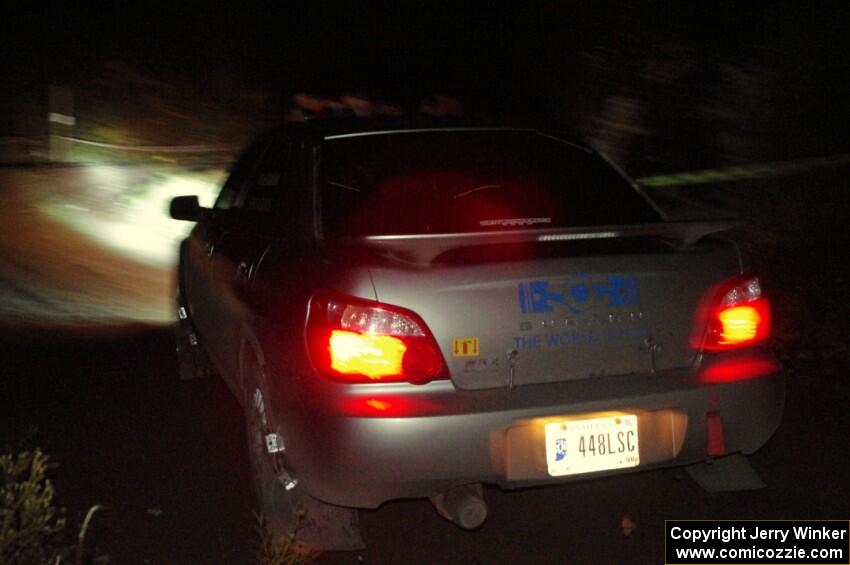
(30, 523)
(34, 529)
(280, 549)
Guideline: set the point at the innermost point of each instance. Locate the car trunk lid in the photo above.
(535, 310)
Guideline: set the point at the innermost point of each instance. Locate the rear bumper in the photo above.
(368, 444)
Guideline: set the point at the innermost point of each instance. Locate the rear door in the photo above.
(208, 298)
(270, 211)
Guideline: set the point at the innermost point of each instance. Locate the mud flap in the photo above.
(286, 508)
(732, 473)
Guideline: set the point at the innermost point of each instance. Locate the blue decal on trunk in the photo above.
(614, 291)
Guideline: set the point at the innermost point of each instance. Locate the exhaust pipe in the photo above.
(463, 505)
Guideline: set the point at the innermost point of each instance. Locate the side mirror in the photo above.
(187, 208)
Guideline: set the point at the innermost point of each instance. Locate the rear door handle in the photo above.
(243, 271)
(210, 248)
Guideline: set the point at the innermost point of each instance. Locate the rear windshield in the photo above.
(469, 181)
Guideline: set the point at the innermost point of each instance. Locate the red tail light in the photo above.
(733, 314)
(356, 340)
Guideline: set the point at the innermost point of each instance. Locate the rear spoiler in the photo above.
(422, 249)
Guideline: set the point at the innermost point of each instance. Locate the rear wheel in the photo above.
(289, 510)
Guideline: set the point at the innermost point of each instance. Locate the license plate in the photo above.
(597, 444)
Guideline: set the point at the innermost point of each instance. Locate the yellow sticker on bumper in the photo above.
(465, 347)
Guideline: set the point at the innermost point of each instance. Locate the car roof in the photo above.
(327, 127)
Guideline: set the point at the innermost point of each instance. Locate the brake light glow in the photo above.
(738, 325)
(373, 356)
(356, 340)
(737, 369)
(731, 315)
(388, 406)
(378, 405)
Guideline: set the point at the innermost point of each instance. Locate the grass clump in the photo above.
(281, 549)
(29, 521)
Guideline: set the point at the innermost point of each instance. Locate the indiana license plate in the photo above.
(597, 444)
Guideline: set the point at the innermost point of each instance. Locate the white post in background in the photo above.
(60, 122)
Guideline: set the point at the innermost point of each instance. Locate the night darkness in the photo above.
(691, 70)
(524, 55)
(749, 100)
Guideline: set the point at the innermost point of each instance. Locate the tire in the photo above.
(312, 524)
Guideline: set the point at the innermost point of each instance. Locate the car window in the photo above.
(466, 181)
(267, 181)
(277, 190)
(239, 176)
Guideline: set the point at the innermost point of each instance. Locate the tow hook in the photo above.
(463, 505)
